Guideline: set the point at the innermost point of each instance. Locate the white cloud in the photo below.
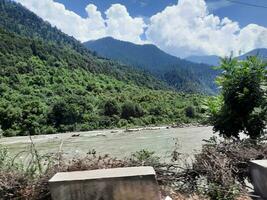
(183, 29)
(188, 28)
(121, 25)
(118, 22)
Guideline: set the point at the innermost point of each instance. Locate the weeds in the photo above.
(218, 172)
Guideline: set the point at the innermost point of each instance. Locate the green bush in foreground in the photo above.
(244, 98)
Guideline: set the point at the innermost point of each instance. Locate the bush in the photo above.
(244, 102)
(63, 113)
(190, 112)
(111, 107)
(130, 109)
(225, 166)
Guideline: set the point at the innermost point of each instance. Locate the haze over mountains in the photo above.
(215, 60)
(178, 73)
(209, 60)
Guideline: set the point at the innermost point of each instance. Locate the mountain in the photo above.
(212, 60)
(17, 19)
(261, 53)
(49, 82)
(215, 60)
(147, 56)
(178, 73)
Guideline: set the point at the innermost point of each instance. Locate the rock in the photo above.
(75, 135)
(114, 131)
(100, 134)
(132, 130)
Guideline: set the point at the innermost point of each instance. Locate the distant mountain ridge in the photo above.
(209, 60)
(178, 73)
(146, 55)
(215, 60)
(261, 53)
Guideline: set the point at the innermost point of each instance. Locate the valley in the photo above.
(102, 88)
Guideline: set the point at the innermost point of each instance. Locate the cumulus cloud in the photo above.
(184, 29)
(188, 28)
(118, 23)
(121, 25)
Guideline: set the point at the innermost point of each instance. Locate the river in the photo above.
(115, 142)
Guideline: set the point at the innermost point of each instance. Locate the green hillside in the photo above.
(181, 74)
(17, 19)
(47, 87)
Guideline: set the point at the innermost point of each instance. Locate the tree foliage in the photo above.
(130, 109)
(111, 107)
(244, 98)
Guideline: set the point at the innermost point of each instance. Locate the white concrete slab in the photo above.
(103, 173)
(106, 184)
(258, 172)
(261, 163)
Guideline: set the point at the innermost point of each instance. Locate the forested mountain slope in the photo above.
(178, 73)
(48, 85)
(15, 18)
(45, 89)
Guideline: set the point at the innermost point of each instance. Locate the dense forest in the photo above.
(48, 87)
(17, 19)
(178, 73)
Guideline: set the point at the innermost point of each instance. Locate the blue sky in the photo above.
(181, 28)
(146, 8)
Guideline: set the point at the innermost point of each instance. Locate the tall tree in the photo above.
(244, 98)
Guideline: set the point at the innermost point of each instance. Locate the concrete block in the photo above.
(134, 183)
(258, 171)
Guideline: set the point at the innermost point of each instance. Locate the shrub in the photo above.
(157, 111)
(225, 166)
(244, 102)
(63, 113)
(130, 109)
(190, 112)
(111, 107)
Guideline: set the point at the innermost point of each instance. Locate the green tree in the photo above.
(130, 109)
(63, 113)
(190, 112)
(111, 107)
(244, 98)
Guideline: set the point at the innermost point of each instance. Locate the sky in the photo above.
(179, 27)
